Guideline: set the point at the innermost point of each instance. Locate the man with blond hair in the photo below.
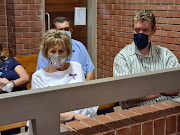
(142, 56)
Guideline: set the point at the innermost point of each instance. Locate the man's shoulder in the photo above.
(126, 49)
(161, 48)
(125, 52)
(78, 44)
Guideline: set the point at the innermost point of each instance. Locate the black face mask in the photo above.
(141, 40)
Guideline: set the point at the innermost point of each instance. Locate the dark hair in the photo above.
(2, 57)
(1, 49)
(60, 20)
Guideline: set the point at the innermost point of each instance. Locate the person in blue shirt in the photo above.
(79, 52)
(13, 77)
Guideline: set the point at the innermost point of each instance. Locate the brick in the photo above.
(178, 123)
(128, 113)
(35, 7)
(17, 1)
(96, 126)
(19, 46)
(69, 131)
(23, 52)
(29, 12)
(151, 108)
(124, 131)
(139, 110)
(159, 126)
(161, 106)
(35, 18)
(35, 29)
(20, 7)
(35, 51)
(120, 118)
(22, 29)
(22, 41)
(147, 128)
(29, 46)
(109, 122)
(136, 129)
(171, 103)
(38, 1)
(171, 124)
(28, 1)
(80, 127)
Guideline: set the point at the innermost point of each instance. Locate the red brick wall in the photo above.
(157, 119)
(23, 26)
(3, 24)
(114, 23)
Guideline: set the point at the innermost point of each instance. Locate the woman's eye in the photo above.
(53, 51)
(61, 51)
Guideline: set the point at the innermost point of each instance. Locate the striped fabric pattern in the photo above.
(130, 61)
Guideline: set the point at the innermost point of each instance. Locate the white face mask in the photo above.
(57, 61)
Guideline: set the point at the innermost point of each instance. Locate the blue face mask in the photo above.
(141, 40)
(69, 33)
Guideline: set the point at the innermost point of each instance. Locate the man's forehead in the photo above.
(142, 24)
(59, 24)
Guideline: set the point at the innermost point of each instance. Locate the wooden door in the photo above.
(66, 8)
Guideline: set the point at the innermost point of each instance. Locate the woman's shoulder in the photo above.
(10, 59)
(75, 66)
(75, 63)
(38, 72)
(11, 62)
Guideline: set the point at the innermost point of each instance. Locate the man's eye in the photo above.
(137, 30)
(145, 30)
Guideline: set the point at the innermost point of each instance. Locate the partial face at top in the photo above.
(144, 27)
(62, 26)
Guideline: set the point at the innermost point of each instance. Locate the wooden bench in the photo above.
(29, 63)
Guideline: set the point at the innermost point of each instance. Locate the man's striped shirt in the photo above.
(130, 60)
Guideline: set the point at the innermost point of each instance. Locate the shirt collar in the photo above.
(135, 50)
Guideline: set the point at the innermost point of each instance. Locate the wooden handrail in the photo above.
(13, 126)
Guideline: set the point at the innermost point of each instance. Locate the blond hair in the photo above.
(55, 37)
(145, 15)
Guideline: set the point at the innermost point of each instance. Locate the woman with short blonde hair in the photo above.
(56, 46)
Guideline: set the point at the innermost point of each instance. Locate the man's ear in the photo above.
(71, 30)
(154, 31)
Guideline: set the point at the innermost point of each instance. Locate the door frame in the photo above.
(92, 32)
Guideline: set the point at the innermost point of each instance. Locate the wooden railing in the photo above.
(43, 106)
